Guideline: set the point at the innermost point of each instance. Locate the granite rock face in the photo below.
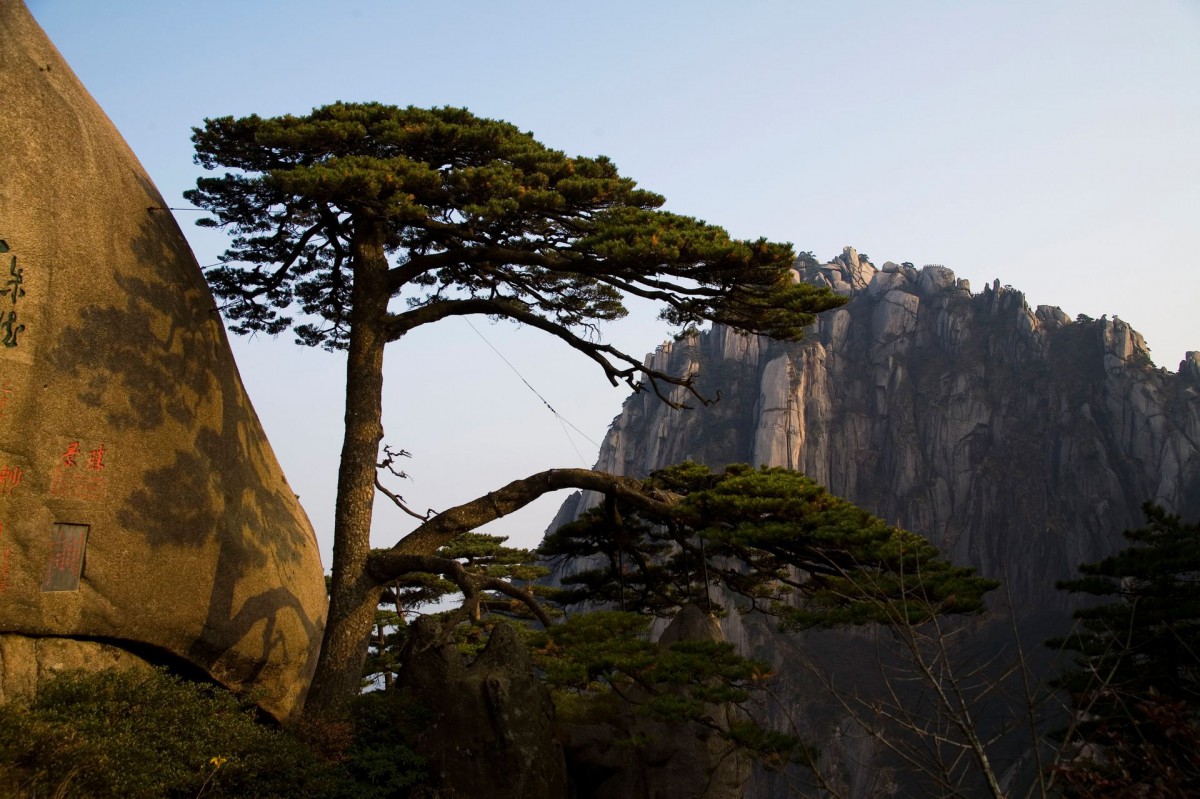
(490, 725)
(25, 662)
(140, 502)
(1017, 440)
(670, 760)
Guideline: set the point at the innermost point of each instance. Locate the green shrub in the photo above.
(379, 762)
(149, 734)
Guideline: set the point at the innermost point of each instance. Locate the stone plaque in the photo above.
(67, 543)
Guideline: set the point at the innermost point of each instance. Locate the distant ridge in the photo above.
(1014, 438)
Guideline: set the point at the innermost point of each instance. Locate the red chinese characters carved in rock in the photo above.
(80, 472)
(68, 457)
(10, 478)
(5, 563)
(67, 545)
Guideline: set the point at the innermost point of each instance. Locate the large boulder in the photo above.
(489, 727)
(140, 503)
(615, 752)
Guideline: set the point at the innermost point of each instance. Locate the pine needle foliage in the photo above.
(471, 208)
(1135, 683)
(479, 555)
(593, 656)
(149, 735)
(776, 540)
(741, 540)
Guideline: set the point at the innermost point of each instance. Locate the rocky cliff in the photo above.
(1018, 440)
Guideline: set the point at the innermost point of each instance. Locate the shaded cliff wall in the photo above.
(1018, 440)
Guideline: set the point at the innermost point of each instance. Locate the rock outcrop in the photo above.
(140, 503)
(489, 725)
(1019, 441)
(25, 662)
(619, 753)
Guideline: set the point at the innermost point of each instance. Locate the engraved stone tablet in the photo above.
(67, 544)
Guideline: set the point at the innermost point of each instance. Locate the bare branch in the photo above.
(390, 456)
(441, 529)
(605, 355)
(386, 566)
(398, 501)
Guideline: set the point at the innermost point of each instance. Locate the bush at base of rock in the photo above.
(152, 735)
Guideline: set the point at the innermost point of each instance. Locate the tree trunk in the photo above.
(354, 596)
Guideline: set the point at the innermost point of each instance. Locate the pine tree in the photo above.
(775, 540)
(1135, 684)
(741, 540)
(478, 559)
(339, 212)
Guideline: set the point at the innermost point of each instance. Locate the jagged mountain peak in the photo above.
(1018, 440)
(1021, 441)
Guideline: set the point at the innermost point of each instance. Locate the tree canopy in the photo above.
(478, 217)
(776, 541)
(742, 540)
(358, 222)
(1135, 683)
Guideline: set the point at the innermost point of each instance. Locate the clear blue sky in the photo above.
(1052, 145)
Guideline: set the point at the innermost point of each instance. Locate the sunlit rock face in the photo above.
(1018, 440)
(140, 503)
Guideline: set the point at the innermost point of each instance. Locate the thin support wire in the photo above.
(562, 420)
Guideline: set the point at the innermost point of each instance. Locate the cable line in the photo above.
(571, 441)
(562, 420)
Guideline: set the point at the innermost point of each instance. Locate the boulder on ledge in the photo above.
(140, 503)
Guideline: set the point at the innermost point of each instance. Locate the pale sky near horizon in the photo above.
(1054, 146)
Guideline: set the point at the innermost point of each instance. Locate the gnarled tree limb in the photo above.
(618, 366)
(441, 529)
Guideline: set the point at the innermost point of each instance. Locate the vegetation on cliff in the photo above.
(1134, 687)
(740, 541)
